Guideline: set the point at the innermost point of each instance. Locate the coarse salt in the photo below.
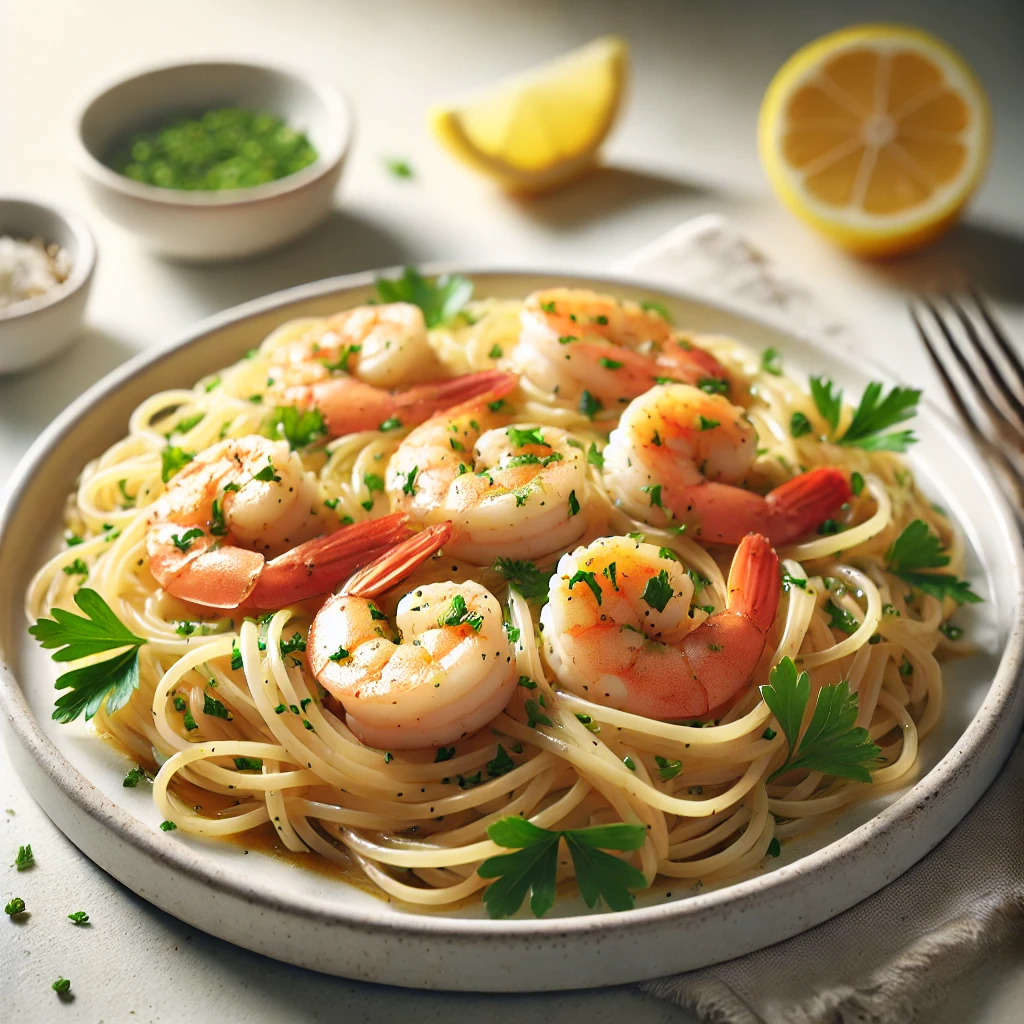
(29, 268)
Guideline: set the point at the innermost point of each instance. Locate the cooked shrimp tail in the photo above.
(349, 405)
(321, 563)
(681, 456)
(725, 648)
(806, 501)
(395, 564)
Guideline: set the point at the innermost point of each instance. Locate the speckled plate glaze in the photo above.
(271, 906)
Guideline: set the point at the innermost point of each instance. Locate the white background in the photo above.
(685, 145)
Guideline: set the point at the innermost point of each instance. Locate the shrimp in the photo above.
(444, 672)
(347, 369)
(513, 491)
(573, 340)
(617, 629)
(678, 456)
(241, 502)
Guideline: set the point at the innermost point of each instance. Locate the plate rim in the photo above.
(87, 797)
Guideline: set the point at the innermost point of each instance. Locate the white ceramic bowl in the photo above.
(227, 224)
(37, 329)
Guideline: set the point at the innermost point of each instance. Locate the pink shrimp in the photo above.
(239, 525)
(617, 629)
(444, 672)
(364, 368)
(573, 340)
(678, 456)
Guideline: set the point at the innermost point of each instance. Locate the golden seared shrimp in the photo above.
(573, 340)
(617, 629)
(348, 369)
(679, 455)
(514, 491)
(443, 673)
(241, 502)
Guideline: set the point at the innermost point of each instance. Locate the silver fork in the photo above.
(983, 376)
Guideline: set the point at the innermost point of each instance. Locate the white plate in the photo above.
(268, 905)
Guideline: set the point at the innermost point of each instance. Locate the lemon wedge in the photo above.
(876, 135)
(540, 128)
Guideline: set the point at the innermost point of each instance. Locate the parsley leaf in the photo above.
(594, 457)
(25, 859)
(299, 428)
(440, 299)
(267, 474)
(829, 405)
(520, 437)
(501, 764)
(771, 362)
(590, 580)
(589, 405)
(918, 548)
(872, 419)
(459, 614)
(875, 415)
(524, 577)
(658, 591)
(79, 636)
(173, 459)
(799, 425)
(533, 867)
(832, 743)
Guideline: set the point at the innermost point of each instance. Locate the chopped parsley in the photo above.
(500, 764)
(267, 474)
(167, 826)
(650, 306)
(184, 542)
(79, 917)
(459, 614)
(391, 423)
(172, 460)
(409, 487)
(841, 619)
(654, 490)
(15, 906)
(594, 457)
(25, 858)
(574, 505)
(610, 364)
(496, 352)
(534, 715)
(214, 708)
(590, 580)
(703, 423)
(856, 484)
(77, 568)
(771, 362)
(521, 438)
(399, 168)
(714, 385)
(799, 425)
(658, 591)
(589, 405)
(444, 754)
(524, 577)
(298, 427)
(339, 655)
(248, 764)
(136, 775)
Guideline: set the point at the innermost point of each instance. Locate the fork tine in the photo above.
(981, 348)
(981, 391)
(966, 413)
(1000, 336)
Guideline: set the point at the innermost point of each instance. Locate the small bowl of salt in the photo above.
(47, 257)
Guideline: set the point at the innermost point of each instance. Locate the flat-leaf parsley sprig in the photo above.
(78, 636)
(832, 744)
(533, 868)
(441, 299)
(918, 548)
(873, 418)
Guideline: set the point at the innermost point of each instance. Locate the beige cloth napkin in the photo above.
(887, 959)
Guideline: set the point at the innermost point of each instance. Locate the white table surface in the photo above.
(685, 146)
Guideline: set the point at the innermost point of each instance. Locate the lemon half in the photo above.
(540, 128)
(876, 135)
